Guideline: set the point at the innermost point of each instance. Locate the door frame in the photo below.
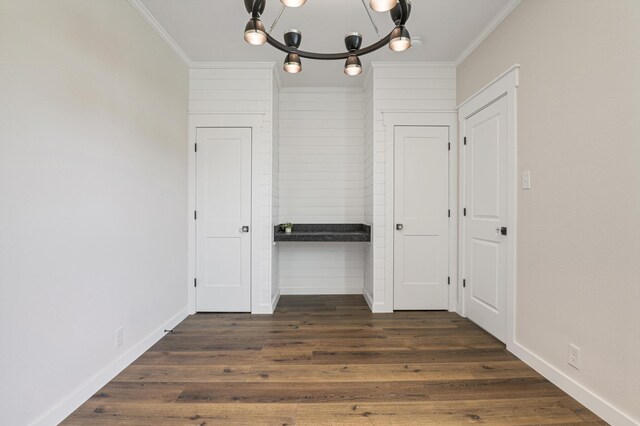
(254, 122)
(504, 86)
(391, 120)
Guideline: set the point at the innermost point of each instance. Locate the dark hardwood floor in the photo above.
(328, 360)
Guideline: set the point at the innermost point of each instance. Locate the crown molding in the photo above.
(504, 12)
(413, 64)
(233, 65)
(164, 35)
(322, 89)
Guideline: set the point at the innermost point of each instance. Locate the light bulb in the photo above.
(293, 3)
(382, 5)
(400, 39)
(292, 63)
(254, 32)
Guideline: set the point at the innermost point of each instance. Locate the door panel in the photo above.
(485, 198)
(421, 203)
(223, 203)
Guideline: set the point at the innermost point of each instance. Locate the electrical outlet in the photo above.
(526, 180)
(119, 337)
(574, 356)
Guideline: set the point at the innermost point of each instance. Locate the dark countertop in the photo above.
(333, 232)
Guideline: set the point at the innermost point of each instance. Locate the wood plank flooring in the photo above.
(328, 360)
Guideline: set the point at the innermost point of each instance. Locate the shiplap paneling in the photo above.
(321, 163)
(275, 191)
(398, 88)
(368, 186)
(321, 180)
(321, 268)
(224, 92)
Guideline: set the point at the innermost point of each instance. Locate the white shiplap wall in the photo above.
(275, 192)
(321, 181)
(400, 88)
(368, 185)
(229, 95)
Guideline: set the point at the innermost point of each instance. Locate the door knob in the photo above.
(399, 227)
(245, 229)
(501, 230)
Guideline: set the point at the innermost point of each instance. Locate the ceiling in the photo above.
(212, 31)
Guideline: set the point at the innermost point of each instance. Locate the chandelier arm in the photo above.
(328, 56)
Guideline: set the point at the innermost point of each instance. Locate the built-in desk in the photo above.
(324, 233)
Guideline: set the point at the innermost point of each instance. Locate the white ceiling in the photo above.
(212, 31)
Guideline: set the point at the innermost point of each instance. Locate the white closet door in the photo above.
(223, 204)
(421, 204)
(485, 200)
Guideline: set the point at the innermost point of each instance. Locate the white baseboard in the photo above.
(307, 291)
(368, 298)
(382, 308)
(274, 300)
(586, 397)
(83, 392)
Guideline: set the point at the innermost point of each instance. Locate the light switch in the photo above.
(526, 180)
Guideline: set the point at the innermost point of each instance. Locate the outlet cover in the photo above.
(574, 356)
(119, 337)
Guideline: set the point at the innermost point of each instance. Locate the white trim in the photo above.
(299, 291)
(428, 118)
(413, 64)
(329, 90)
(368, 298)
(504, 86)
(493, 82)
(83, 392)
(254, 121)
(504, 12)
(234, 65)
(159, 29)
(580, 393)
(275, 299)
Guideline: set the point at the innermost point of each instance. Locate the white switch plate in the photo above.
(574, 356)
(526, 180)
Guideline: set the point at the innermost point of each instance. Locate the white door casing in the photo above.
(223, 205)
(486, 218)
(421, 206)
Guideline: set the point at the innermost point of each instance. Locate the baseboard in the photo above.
(306, 291)
(585, 396)
(274, 300)
(83, 392)
(382, 308)
(368, 298)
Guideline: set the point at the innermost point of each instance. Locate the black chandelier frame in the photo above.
(399, 14)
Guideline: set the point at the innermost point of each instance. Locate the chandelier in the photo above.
(398, 39)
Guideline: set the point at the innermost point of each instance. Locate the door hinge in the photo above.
(464, 211)
(195, 215)
(195, 282)
(448, 280)
(464, 283)
(449, 213)
(465, 140)
(449, 146)
(195, 147)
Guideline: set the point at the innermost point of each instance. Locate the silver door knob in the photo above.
(399, 227)
(245, 229)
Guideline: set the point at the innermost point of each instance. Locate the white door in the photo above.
(421, 206)
(223, 205)
(485, 201)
